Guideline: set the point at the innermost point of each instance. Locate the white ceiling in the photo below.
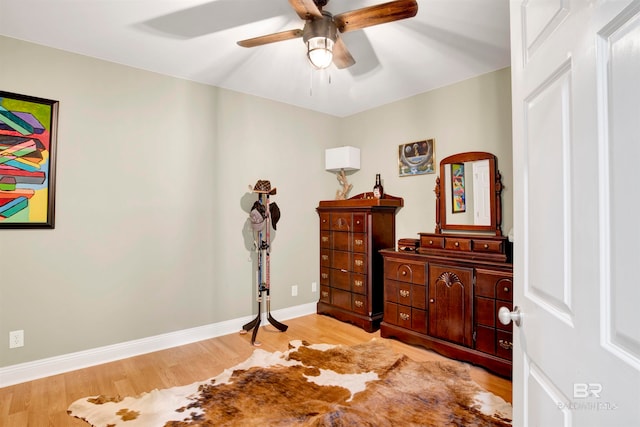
(446, 42)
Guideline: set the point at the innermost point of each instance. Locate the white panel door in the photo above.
(481, 193)
(576, 136)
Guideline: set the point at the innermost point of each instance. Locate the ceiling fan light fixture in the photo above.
(319, 36)
(320, 51)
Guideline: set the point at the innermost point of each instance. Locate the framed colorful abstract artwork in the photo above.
(28, 128)
(458, 191)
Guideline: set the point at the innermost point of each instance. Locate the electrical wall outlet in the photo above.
(314, 287)
(294, 291)
(16, 339)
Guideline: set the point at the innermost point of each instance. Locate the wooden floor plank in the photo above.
(44, 402)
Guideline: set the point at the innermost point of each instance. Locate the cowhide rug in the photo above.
(313, 385)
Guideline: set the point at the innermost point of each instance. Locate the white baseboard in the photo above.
(30, 371)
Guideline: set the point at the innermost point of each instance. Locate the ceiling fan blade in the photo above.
(341, 56)
(374, 15)
(271, 38)
(305, 9)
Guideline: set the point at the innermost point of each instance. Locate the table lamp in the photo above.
(339, 160)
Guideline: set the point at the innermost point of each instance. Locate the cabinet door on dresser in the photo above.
(450, 303)
(494, 289)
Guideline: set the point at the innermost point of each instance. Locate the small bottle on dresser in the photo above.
(378, 191)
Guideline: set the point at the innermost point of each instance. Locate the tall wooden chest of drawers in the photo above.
(352, 232)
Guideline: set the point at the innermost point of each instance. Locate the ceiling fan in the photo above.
(321, 29)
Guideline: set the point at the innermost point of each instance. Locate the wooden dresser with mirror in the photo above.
(445, 295)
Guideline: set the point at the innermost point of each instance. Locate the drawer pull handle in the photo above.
(325, 275)
(325, 239)
(506, 289)
(404, 293)
(431, 242)
(507, 345)
(456, 244)
(325, 294)
(404, 316)
(486, 246)
(404, 272)
(359, 283)
(359, 303)
(432, 300)
(325, 257)
(343, 270)
(359, 262)
(358, 222)
(359, 242)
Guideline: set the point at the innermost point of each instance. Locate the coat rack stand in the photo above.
(263, 273)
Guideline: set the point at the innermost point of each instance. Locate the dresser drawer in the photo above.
(341, 298)
(434, 242)
(359, 242)
(358, 283)
(496, 342)
(359, 263)
(341, 240)
(405, 317)
(324, 276)
(504, 344)
(490, 246)
(325, 239)
(457, 244)
(340, 279)
(341, 260)
(405, 271)
(325, 221)
(325, 258)
(391, 291)
(341, 221)
(504, 289)
(486, 311)
(408, 294)
(486, 339)
(325, 294)
(359, 223)
(494, 284)
(359, 303)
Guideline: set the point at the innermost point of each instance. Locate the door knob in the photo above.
(507, 316)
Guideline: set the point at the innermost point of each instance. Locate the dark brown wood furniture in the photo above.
(446, 296)
(352, 232)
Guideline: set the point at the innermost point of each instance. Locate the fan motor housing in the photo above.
(320, 27)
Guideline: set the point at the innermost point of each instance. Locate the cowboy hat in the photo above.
(264, 187)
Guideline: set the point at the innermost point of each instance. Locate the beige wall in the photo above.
(473, 115)
(151, 204)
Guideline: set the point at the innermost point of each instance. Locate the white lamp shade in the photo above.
(347, 158)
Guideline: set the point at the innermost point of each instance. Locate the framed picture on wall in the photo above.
(416, 158)
(28, 136)
(458, 192)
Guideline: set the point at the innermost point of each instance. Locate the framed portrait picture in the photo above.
(416, 158)
(28, 132)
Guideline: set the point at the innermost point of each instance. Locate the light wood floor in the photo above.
(44, 402)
